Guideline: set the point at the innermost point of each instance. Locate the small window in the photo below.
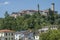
(6, 34)
(11, 38)
(19, 39)
(42, 30)
(5, 38)
(12, 34)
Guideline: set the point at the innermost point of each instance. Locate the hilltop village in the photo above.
(31, 12)
(31, 25)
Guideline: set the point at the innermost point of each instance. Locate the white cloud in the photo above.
(4, 3)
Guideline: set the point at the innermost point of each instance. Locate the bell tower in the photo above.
(53, 7)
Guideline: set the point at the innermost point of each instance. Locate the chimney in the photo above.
(53, 7)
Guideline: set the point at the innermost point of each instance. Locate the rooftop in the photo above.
(6, 30)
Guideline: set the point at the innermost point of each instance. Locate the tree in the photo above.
(19, 22)
(1, 22)
(9, 23)
(51, 16)
(52, 35)
(6, 14)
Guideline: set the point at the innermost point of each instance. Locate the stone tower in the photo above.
(53, 7)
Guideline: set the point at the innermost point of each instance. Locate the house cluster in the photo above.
(24, 35)
(31, 12)
(19, 35)
(46, 28)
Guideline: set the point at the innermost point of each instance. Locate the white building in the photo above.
(46, 28)
(19, 36)
(6, 35)
(24, 35)
(37, 37)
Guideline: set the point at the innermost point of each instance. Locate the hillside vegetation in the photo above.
(25, 22)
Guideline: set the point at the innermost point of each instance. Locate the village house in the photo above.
(6, 34)
(26, 34)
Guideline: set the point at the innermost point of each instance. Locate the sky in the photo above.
(19, 5)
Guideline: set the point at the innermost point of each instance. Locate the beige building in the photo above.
(46, 28)
(30, 12)
(15, 14)
(6, 35)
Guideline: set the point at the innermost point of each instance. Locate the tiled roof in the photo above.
(15, 13)
(25, 11)
(30, 10)
(5, 30)
(46, 11)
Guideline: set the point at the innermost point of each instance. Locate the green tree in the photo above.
(52, 35)
(6, 14)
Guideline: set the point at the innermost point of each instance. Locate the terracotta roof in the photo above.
(24, 11)
(46, 11)
(5, 30)
(30, 10)
(15, 13)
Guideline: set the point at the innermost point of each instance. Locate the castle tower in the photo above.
(53, 7)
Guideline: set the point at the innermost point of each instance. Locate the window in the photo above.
(11, 38)
(6, 34)
(12, 34)
(42, 30)
(19, 39)
(5, 38)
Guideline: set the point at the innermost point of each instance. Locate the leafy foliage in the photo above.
(51, 35)
(25, 22)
